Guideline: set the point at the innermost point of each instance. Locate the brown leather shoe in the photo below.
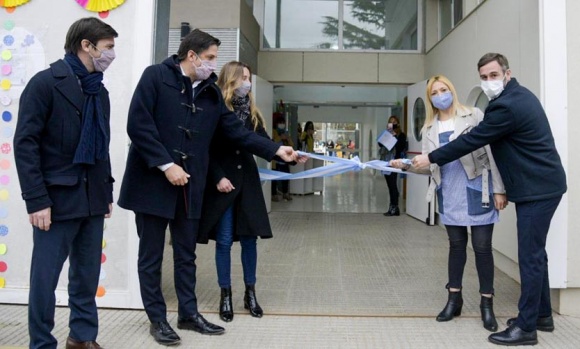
(74, 344)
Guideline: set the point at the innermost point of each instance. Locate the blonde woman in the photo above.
(470, 193)
(234, 207)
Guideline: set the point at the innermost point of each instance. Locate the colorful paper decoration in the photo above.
(12, 3)
(99, 5)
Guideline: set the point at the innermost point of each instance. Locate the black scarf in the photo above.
(94, 140)
(241, 107)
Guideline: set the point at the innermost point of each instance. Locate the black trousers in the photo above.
(281, 186)
(534, 220)
(151, 230)
(393, 190)
(481, 236)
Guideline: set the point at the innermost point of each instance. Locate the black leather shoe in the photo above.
(514, 335)
(72, 343)
(226, 307)
(197, 323)
(544, 324)
(251, 302)
(163, 333)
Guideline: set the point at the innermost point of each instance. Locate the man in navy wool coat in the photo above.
(174, 113)
(61, 149)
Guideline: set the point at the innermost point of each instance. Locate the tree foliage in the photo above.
(364, 11)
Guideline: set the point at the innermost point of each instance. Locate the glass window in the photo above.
(299, 23)
(450, 13)
(380, 25)
(341, 24)
(445, 23)
(419, 117)
(482, 101)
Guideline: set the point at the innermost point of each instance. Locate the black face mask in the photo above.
(395, 126)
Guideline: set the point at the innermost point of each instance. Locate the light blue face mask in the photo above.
(442, 101)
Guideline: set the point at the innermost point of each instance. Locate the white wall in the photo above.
(132, 21)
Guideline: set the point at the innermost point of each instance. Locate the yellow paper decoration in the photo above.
(12, 3)
(100, 5)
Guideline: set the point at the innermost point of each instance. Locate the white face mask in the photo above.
(492, 88)
(243, 90)
(102, 63)
(204, 70)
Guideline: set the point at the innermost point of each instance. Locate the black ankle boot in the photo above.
(452, 308)
(226, 307)
(487, 315)
(393, 211)
(251, 302)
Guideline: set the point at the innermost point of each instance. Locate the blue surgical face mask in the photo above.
(442, 101)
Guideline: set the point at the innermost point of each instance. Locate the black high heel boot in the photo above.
(226, 307)
(452, 308)
(251, 302)
(393, 211)
(487, 315)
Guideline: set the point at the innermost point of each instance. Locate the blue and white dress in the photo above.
(459, 198)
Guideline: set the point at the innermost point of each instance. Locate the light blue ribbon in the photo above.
(339, 166)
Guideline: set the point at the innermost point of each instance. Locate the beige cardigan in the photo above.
(475, 164)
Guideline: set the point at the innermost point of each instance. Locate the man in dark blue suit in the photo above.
(174, 113)
(61, 148)
(517, 129)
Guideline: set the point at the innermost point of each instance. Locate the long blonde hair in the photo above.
(229, 79)
(431, 109)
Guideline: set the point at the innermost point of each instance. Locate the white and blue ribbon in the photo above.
(338, 166)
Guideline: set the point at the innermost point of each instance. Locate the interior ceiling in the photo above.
(340, 95)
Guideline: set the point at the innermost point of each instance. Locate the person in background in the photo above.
(338, 148)
(307, 137)
(518, 132)
(175, 111)
(280, 189)
(66, 180)
(233, 205)
(298, 136)
(330, 148)
(470, 193)
(397, 152)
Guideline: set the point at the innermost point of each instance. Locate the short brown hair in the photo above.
(196, 41)
(89, 28)
(490, 57)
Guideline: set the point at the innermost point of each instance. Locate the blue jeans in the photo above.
(481, 236)
(80, 240)
(223, 246)
(534, 219)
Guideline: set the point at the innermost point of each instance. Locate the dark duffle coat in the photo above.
(168, 124)
(45, 142)
(239, 166)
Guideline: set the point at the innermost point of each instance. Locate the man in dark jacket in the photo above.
(61, 148)
(175, 110)
(517, 129)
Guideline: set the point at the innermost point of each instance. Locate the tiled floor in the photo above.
(329, 278)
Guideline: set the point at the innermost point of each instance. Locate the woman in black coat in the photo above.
(233, 206)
